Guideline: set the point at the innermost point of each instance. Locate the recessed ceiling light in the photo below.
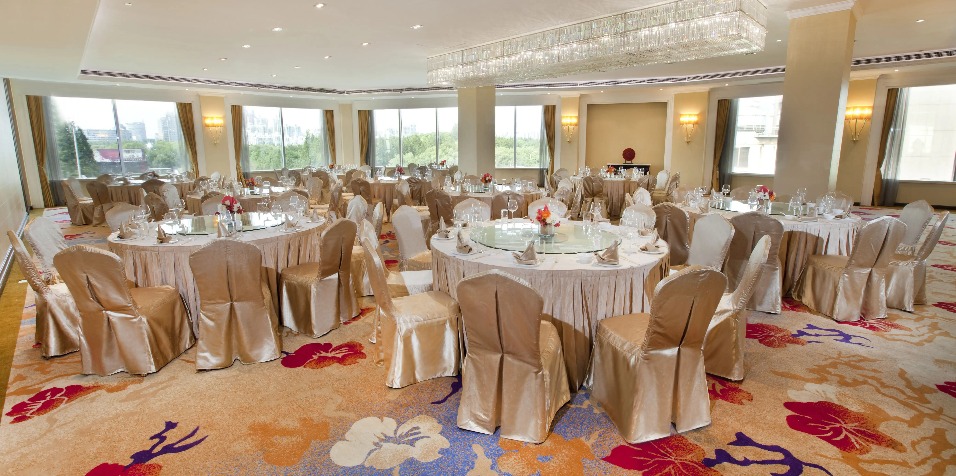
(728, 84)
(602, 91)
(247, 46)
(896, 70)
(778, 41)
(365, 44)
(187, 89)
(328, 56)
(920, 20)
(223, 59)
(274, 75)
(416, 27)
(129, 4)
(277, 29)
(317, 5)
(297, 67)
(661, 89)
(205, 69)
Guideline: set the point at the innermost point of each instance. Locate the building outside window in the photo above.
(755, 135)
(276, 138)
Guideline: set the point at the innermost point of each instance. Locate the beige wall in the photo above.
(853, 154)
(217, 157)
(12, 208)
(687, 158)
(611, 128)
(568, 150)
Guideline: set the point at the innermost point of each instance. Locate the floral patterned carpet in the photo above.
(820, 397)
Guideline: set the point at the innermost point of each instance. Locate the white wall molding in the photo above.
(821, 9)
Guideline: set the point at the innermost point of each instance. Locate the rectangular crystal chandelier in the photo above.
(681, 30)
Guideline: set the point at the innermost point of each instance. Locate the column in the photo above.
(568, 155)
(345, 151)
(215, 157)
(476, 130)
(814, 98)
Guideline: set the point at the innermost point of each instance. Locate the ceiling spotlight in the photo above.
(297, 67)
(327, 56)
(247, 46)
(920, 20)
(223, 59)
(896, 71)
(778, 41)
(274, 75)
(129, 4)
(317, 5)
(277, 29)
(602, 91)
(205, 69)
(365, 44)
(416, 27)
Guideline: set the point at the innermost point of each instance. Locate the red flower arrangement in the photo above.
(400, 170)
(486, 178)
(765, 193)
(232, 205)
(442, 163)
(544, 217)
(628, 155)
(611, 170)
(251, 182)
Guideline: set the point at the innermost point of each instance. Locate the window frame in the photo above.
(282, 139)
(733, 138)
(401, 133)
(514, 136)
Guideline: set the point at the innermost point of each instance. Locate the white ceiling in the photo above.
(54, 40)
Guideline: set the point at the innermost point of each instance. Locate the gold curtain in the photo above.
(720, 138)
(330, 131)
(38, 125)
(892, 96)
(185, 111)
(549, 131)
(236, 111)
(364, 123)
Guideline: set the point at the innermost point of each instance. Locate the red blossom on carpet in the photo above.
(671, 456)
(792, 305)
(949, 306)
(323, 354)
(47, 400)
(847, 430)
(731, 392)
(948, 387)
(772, 336)
(877, 325)
(364, 312)
(946, 243)
(947, 267)
(113, 469)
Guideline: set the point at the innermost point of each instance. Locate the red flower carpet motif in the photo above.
(671, 456)
(47, 400)
(772, 336)
(878, 325)
(949, 306)
(731, 392)
(364, 312)
(947, 267)
(322, 354)
(847, 430)
(790, 304)
(945, 243)
(948, 387)
(113, 469)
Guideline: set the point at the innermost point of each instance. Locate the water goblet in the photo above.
(512, 206)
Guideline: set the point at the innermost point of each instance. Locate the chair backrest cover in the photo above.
(210, 203)
(357, 209)
(360, 186)
(228, 272)
(439, 205)
(747, 280)
(153, 185)
(672, 226)
(46, 240)
(376, 277)
(484, 210)
(712, 236)
(933, 237)
(749, 228)
(502, 312)
(554, 205)
(643, 215)
(593, 186)
(916, 216)
(682, 306)
(99, 193)
(335, 247)
(500, 202)
(641, 195)
(29, 268)
(876, 243)
(409, 231)
(661, 181)
(120, 213)
(170, 194)
(157, 206)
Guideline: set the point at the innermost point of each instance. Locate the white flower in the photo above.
(377, 443)
(813, 392)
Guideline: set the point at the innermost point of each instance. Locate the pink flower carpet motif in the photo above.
(319, 355)
(671, 456)
(847, 430)
(48, 400)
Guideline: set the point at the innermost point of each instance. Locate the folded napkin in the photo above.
(315, 216)
(598, 217)
(529, 255)
(443, 231)
(463, 247)
(126, 231)
(651, 245)
(609, 255)
(161, 236)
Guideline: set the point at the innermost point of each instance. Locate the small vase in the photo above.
(546, 230)
(763, 206)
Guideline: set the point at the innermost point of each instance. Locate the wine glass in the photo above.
(171, 222)
(276, 211)
(512, 206)
(752, 200)
(725, 190)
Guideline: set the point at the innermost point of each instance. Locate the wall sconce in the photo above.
(856, 119)
(689, 123)
(570, 123)
(214, 125)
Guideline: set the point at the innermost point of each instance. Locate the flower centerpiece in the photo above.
(546, 222)
(441, 164)
(764, 197)
(400, 170)
(232, 205)
(611, 170)
(628, 155)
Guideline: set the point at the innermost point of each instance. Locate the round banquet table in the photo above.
(384, 190)
(248, 201)
(577, 294)
(130, 193)
(801, 239)
(151, 264)
(487, 197)
(614, 189)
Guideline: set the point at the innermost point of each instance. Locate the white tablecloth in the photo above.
(576, 295)
(151, 264)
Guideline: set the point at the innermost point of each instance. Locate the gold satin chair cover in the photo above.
(101, 200)
(749, 229)
(649, 368)
(412, 249)
(844, 287)
(78, 206)
(439, 207)
(45, 239)
(417, 189)
(711, 241)
(674, 228)
(906, 274)
(500, 202)
(237, 319)
(662, 194)
(916, 216)
(318, 297)
(57, 317)
(209, 204)
(335, 198)
(513, 375)
(724, 343)
(360, 186)
(484, 209)
(122, 329)
(158, 208)
(640, 215)
(593, 192)
(119, 214)
(417, 334)
(401, 283)
(554, 205)
(154, 185)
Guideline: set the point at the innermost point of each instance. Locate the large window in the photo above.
(520, 141)
(284, 137)
(928, 147)
(90, 137)
(755, 136)
(415, 136)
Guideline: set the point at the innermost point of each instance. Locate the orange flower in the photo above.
(555, 456)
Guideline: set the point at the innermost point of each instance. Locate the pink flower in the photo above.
(113, 469)
(730, 392)
(845, 429)
(47, 400)
(949, 306)
(323, 354)
(671, 456)
(948, 387)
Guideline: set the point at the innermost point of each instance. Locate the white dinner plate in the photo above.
(473, 253)
(534, 265)
(170, 242)
(450, 237)
(607, 265)
(658, 252)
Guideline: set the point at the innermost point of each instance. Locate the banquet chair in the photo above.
(101, 200)
(326, 178)
(215, 176)
(649, 368)
(417, 334)
(237, 320)
(157, 206)
(906, 274)
(513, 374)
(843, 287)
(317, 297)
(593, 193)
(403, 197)
(628, 200)
(378, 218)
(56, 315)
(640, 215)
(360, 186)
(644, 183)
(46, 240)
(500, 202)
(335, 198)
(641, 195)
(673, 227)
(296, 177)
(209, 204)
(554, 205)
(710, 242)
(170, 195)
(153, 185)
(724, 342)
(285, 199)
(412, 167)
(916, 216)
(78, 205)
(661, 180)
(416, 190)
(400, 283)
(413, 252)
(468, 204)
(740, 194)
(315, 189)
(121, 213)
(77, 188)
(439, 208)
(136, 330)
(663, 193)
(357, 210)
(748, 229)
(105, 179)
(366, 168)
